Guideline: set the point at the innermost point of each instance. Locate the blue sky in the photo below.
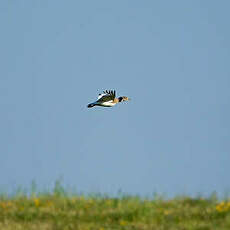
(170, 57)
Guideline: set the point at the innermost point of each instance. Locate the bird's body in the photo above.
(107, 99)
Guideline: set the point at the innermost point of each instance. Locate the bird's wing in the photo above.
(107, 95)
(101, 95)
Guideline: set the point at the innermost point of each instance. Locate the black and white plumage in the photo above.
(107, 99)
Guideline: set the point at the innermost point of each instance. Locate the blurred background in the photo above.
(170, 57)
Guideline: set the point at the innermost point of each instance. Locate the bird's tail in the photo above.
(90, 105)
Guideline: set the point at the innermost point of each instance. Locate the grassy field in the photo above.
(66, 212)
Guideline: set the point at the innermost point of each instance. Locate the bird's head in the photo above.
(123, 99)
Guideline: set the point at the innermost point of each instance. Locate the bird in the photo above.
(107, 99)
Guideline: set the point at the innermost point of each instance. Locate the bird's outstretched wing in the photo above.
(107, 95)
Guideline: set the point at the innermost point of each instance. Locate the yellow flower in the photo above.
(36, 202)
(167, 212)
(223, 206)
(123, 223)
(218, 208)
(74, 200)
(9, 204)
(3, 204)
(49, 203)
(6, 204)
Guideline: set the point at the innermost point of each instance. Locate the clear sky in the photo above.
(172, 58)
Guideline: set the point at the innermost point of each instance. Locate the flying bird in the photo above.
(107, 99)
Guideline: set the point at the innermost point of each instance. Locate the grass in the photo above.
(59, 211)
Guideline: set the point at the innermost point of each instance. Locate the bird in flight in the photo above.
(107, 99)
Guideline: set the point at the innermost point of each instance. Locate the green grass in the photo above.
(60, 211)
